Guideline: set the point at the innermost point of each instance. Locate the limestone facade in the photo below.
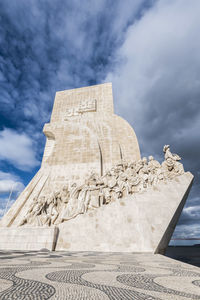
(122, 180)
(92, 178)
(83, 136)
(141, 222)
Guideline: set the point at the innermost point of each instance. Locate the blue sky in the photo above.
(148, 49)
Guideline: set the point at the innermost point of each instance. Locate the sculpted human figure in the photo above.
(124, 164)
(94, 183)
(34, 214)
(105, 188)
(83, 198)
(139, 165)
(63, 198)
(122, 184)
(110, 185)
(132, 165)
(155, 171)
(119, 168)
(71, 209)
(107, 195)
(28, 216)
(123, 179)
(153, 164)
(130, 171)
(93, 197)
(114, 171)
(51, 211)
(171, 164)
(65, 195)
(73, 195)
(144, 173)
(117, 191)
(110, 180)
(134, 182)
(57, 195)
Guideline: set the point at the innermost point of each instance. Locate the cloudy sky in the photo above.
(149, 50)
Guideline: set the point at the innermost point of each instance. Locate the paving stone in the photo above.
(95, 275)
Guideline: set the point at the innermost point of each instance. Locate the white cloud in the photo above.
(192, 210)
(5, 176)
(5, 205)
(156, 83)
(187, 231)
(10, 185)
(156, 86)
(2, 211)
(10, 188)
(10, 182)
(17, 149)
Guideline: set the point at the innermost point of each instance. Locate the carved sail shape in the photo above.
(92, 178)
(84, 142)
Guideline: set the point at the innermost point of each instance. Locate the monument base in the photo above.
(28, 238)
(142, 222)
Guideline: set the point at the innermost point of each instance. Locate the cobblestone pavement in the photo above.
(93, 275)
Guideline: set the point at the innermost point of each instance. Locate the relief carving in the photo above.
(122, 180)
(84, 106)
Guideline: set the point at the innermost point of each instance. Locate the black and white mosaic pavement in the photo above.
(97, 276)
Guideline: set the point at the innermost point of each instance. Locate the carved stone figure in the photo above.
(135, 183)
(34, 214)
(144, 173)
(155, 172)
(130, 171)
(29, 213)
(139, 165)
(93, 197)
(94, 183)
(83, 199)
(72, 206)
(171, 164)
(122, 184)
(110, 180)
(120, 181)
(106, 195)
(65, 195)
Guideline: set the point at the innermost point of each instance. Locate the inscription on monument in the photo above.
(84, 106)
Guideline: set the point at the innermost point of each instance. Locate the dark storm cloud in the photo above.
(54, 45)
(17, 149)
(48, 46)
(150, 50)
(159, 78)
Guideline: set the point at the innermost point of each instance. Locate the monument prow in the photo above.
(92, 177)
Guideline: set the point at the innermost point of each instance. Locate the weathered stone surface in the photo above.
(28, 238)
(93, 185)
(83, 135)
(96, 276)
(21, 205)
(143, 222)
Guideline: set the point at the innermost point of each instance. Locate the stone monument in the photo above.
(93, 191)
